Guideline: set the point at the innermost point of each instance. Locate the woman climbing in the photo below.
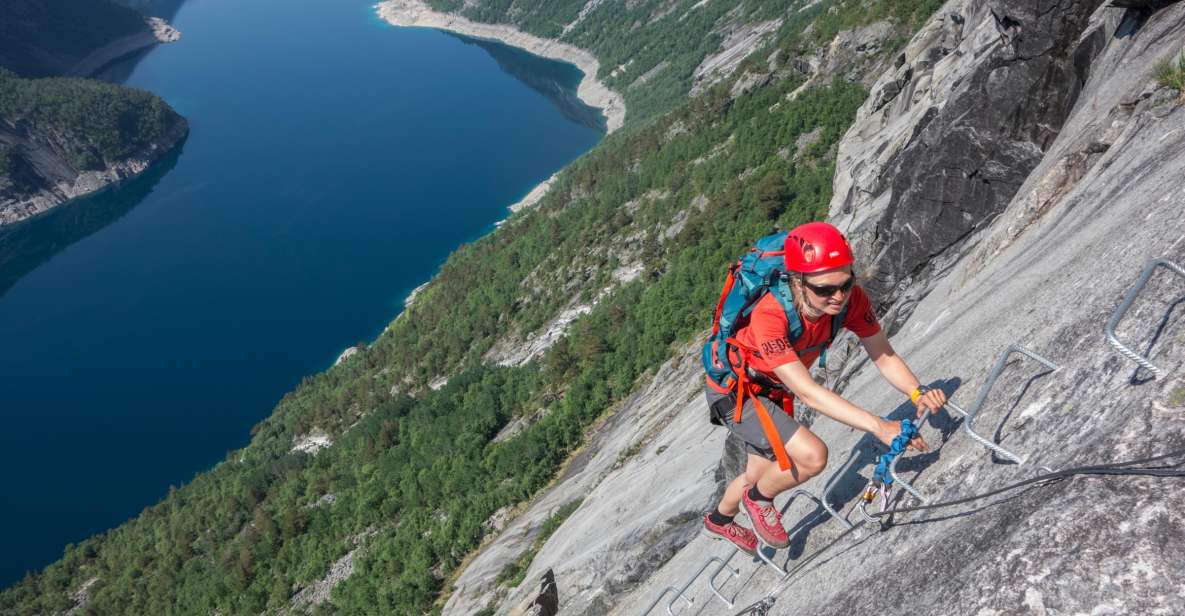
(782, 306)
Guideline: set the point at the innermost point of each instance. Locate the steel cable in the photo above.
(762, 606)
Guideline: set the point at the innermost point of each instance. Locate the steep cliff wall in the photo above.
(1005, 185)
(946, 140)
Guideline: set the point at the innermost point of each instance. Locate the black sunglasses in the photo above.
(827, 290)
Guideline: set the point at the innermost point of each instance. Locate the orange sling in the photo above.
(744, 387)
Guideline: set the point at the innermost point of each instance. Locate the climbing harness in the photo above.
(885, 471)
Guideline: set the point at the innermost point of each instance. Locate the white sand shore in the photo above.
(591, 91)
(535, 195)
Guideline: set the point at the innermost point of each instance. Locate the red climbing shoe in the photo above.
(740, 536)
(767, 521)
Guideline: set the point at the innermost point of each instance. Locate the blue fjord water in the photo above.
(333, 163)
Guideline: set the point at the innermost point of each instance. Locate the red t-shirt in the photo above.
(768, 332)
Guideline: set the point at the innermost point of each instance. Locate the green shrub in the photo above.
(1170, 73)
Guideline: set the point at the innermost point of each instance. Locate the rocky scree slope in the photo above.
(1004, 185)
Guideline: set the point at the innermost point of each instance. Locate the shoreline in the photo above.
(158, 31)
(414, 13)
(417, 14)
(65, 189)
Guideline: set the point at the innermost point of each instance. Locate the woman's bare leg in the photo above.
(730, 503)
(808, 457)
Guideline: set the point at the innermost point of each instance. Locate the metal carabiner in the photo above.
(886, 496)
(869, 497)
(871, 492)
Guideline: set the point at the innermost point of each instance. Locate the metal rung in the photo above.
(659, 599)
(785, 507)
(680, 593)
(761, 547)
(832, 481)
(983, 394)
(1128, 300)
(969, 416)
(712, 580)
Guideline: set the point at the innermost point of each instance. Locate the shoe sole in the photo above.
(757, 531)
(711, 535)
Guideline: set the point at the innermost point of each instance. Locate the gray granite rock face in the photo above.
(642, 472)
(973, 104)
(1046, 268)
(42, 178)
(1088, 192)
(1046, 272)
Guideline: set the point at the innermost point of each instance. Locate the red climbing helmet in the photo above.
(816, 247)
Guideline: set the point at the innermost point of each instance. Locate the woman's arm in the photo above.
(898, 374)
(798, 379)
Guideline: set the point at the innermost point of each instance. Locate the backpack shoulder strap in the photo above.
(781, 291)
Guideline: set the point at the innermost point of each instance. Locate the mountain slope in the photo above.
(1045, 269)
(426, 446)
(64, 138)
(635, 232)
(46, 38)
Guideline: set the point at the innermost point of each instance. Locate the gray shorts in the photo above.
(721, 406)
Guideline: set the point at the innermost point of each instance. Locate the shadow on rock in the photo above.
(998, 435)
(1140, 375)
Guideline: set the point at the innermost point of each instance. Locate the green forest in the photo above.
(630, 41)
(90, 122)
(414, 471)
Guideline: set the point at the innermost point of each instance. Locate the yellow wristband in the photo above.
(917, 393)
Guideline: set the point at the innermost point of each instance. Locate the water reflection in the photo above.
(120, 69)
(26, 245)
(164, 9)
(557, 81)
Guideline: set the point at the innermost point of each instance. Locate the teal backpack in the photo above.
(759, 271)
